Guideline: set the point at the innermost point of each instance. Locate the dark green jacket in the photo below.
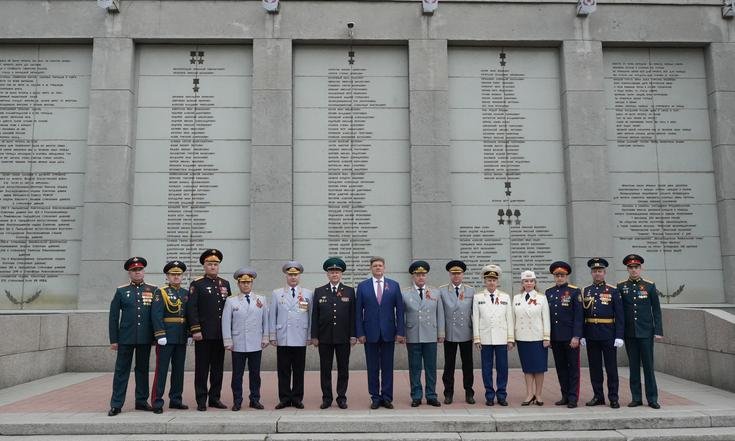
(641, 307)
(169, 314)
(130, 315)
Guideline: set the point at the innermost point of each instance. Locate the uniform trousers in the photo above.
(500, 353)
(379, 364)
(174, 354)
(291, 363)
(209, 359)
(450, 359)
(597, 351)
(327, 352)
(122, 373)
(640, 351)
(566, 361)
(422, 355)
(252, 359)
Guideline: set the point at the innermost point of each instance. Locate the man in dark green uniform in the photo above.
(642, 328)
(131, 333)
(168, 314)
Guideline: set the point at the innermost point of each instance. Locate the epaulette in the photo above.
(623, 281)
(648, 281)
(572, 286)
(123, 286)
(198, 278)
(443, 286)
(611, 286)
(468, 286)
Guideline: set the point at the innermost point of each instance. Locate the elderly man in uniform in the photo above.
(333, 330)
(289, 321)
(603, 332)
(207, 296)
(131, 334)
(642, 327)
(424, 328)
(457, 302)
(493, 333)
(168, 315)
(245, 334)
(565, 305)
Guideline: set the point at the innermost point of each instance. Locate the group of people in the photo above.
(377, 313)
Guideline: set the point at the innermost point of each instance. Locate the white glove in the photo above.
(583, 341)
(162, 341)
(618, 343)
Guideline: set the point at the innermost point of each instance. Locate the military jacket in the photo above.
(290, 316)
(130, 314)
(603, 312)
(207, 298)
(245, 324)
(642, 308)
(168, 314)
(333, 316)
(424, 317)
(565, 308)
(457, 312)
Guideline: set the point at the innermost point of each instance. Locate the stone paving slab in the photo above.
(708, 434)
(387, 423)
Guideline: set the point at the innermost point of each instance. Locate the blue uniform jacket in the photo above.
(565, 310)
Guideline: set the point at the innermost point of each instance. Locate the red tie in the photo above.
(380, 291)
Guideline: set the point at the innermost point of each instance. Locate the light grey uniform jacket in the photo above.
(290, 317)
(424, 318)
(245, 325)
(457, 312)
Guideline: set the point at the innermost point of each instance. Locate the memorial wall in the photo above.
(192, 156)
(661, 170)
(44, 91)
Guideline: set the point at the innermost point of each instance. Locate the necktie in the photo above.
(293, 292)
(334, 290)
(247, 297)
(528, 296)
(380, 291)
(421, 293)
(492, 298)
(456, 290)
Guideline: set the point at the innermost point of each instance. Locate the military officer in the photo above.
(131, 333)
(642, 327)
(603, 332)
(168, 315)
(565, 304)
(493, 333)
(424, 313)
(457, 302)
(333, 330)
(245, 334)
(207, 296)
(289, 322)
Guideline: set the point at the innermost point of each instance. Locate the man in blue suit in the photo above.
(379, 324)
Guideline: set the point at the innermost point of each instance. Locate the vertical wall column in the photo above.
(431, 208)
(108, 187)
(720, 60)
(585, 153)
(271, 197)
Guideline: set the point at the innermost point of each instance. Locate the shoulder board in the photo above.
(198, 278)
(151, 286)
(572, 286)
(587, 287)
(502, 292)
(123, 286)
(407, 290)
(444, 286)
(611, 286)
(622, 281)
(469, 286)
(542, 294)
(649, 281)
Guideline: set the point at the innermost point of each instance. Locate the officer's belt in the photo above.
(600, 321)
(173, 320)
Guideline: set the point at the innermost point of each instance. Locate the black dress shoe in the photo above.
(614, 405)
(113, 411)
(595, 402)
(635, 403)
(561, 402)
(502, 402)
(448, 399)
(654, 405)
(571, 404)
(374, 405)
(143, 406)
(325, 404)
(342, 404)
(201, 407)
(256, 405)
(236, 407)
(469, 399)
(282, 405)
(489, 403)
(433, 402)
(528, 402)
(388, 404)
(178, 406)
(298, 405)
(415, 403)
(158, 410)
(218, 404)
